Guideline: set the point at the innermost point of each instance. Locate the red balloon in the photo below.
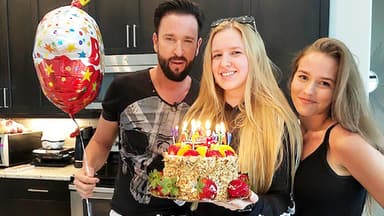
(69, 84)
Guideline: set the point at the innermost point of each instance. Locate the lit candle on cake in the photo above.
(229, 138)
(175, 133)
(194, 132)
(198, 128)
(222, 133)
(218, 132)
(193, 126)
(184, 133)
(217, 128)
(214, 137)
(208, 128)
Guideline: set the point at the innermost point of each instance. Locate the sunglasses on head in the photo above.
(241, 19)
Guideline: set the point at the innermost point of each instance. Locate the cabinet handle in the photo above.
(4, 98)
(134, 35)
(37, 190)
(127, 30)
(2, 106)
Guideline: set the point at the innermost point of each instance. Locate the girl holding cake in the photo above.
(238, 88)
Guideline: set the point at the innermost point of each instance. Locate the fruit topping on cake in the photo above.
(239, 188)
(207, 189)
(162, 186)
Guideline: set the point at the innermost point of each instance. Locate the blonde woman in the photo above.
(238, 87)
(341, 157)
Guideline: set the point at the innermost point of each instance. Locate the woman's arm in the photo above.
(362, 161)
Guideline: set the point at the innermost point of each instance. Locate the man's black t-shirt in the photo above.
(145, 122)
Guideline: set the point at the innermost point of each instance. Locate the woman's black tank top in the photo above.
(318, 190)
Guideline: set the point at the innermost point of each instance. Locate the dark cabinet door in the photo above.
(288, 26)
(21, 197)
(126, 25)
(217, 9)
(23, 94)
(4, 58)
(24, 89)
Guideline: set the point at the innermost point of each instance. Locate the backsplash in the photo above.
(56, 128)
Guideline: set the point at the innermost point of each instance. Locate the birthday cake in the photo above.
(200, 167)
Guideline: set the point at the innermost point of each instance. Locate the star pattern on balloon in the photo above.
(94, 86)
(71, 47)
(87, 75)
(82, 54)
(48, 69)
(49, 48)
(85, 30)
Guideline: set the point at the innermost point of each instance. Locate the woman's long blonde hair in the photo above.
(265, 117)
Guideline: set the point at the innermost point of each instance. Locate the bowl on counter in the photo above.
(52, 144)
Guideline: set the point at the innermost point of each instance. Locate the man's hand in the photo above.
(85, 184)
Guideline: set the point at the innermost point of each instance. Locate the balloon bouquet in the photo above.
(68, 58)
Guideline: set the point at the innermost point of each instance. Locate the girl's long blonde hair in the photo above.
(265, 117)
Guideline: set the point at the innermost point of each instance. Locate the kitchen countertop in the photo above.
(27, 171)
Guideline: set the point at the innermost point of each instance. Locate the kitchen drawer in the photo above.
(20, 197)
(34, 189)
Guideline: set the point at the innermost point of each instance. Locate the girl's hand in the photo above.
(243, 204)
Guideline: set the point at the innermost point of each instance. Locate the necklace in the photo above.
(171, 92)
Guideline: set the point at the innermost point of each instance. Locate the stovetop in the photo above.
(53, 157)
(63, 152)
(107, 175)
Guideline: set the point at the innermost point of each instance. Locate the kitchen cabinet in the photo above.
(4, 58)
(217, 9)
(21, 95)
(288, 26)
(126, 25)
(20, 83)
(285, 26)
(20, 197)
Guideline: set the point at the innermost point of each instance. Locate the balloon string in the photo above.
(85, 162)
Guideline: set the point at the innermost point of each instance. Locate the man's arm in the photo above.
(96, 153)
(99, 146)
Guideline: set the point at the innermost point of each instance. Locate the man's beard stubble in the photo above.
(164, 65)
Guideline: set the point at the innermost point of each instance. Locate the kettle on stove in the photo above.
(52, 141)
(86, 135)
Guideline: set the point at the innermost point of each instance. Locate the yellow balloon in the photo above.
(84, 2)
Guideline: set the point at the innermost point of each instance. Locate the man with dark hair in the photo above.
(143, 107)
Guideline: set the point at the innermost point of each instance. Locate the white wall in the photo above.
(376, 97)
(350, 22)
